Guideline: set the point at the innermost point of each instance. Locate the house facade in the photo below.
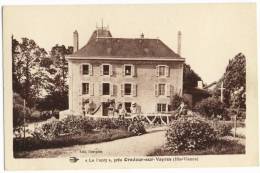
(123, 71)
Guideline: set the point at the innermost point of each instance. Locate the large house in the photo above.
(124, 71)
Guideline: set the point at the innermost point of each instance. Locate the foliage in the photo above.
(211, 107)
(175, 102)
(220, 146)
(22, 147)
(189, 133)
(222, 128)
(234, 81)
(27, 74)
(20, 113)
(69, 125)
(190, 78)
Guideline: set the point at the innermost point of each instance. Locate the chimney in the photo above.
(75, 41)
(142, 35)
(200, 84)
(179, 43)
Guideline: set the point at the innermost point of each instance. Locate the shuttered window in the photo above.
(85, 88)
(162, 71)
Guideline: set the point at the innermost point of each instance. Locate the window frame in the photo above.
(131, 89)
(88, 88)
(89, 69)
(131, 73)
(109, 84)
(109, 70)
(160, 106)
(159, 93)
(166, 71)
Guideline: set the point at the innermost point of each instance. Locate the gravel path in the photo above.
(132, 146)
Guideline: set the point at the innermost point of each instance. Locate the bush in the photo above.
(222, 128)
(211, 107)
(69, 125)
(175, 102)
(189, 134)
(19, 112)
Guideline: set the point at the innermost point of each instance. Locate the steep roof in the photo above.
(102, 44)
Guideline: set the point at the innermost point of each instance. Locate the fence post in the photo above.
(235, 125)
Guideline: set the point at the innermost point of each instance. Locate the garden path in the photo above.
(132, 146)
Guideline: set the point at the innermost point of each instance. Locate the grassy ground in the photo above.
(22, 148)
(221, 146)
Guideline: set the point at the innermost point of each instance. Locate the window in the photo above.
(162, 70)
(128, 70)
(161, 89)
(85, 88)
(106, 70)
(161, 107)
(128, 89)
(85, 69)
(128, 107)
(106, 89)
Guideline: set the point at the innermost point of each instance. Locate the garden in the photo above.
(209, 128)
(76, 130)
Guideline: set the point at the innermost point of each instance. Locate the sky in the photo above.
(211, 33)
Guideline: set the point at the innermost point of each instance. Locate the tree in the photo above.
(234, 80)
(57, 85)
(19, 111)
(190, 78)
(28, 76)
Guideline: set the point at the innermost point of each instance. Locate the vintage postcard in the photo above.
(130, 86)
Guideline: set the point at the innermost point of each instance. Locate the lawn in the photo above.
(221, 146)
(21, 147)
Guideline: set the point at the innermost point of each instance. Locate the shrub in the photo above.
(137, 127)
(69, 125)
(222, 128)
(175, 102)
(211, 107)
(19, 111)
(189, 134)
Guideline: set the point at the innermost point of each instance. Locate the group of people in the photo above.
(114, 110)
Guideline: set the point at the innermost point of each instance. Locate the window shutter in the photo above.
(90, 70)
(122, 89)
(110, 70)
(167, 71)
(168, 90)
(81, 69)
(111, 89)
(133, 71)
(91, 88)
(100, 89)
(156, 89)
(80, 88)
(172, 90)
(157, 70)
(156, 107)
(123, 70)
(134, 90)
(101, 70)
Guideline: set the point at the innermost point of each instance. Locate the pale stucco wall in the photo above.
(145, 80)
